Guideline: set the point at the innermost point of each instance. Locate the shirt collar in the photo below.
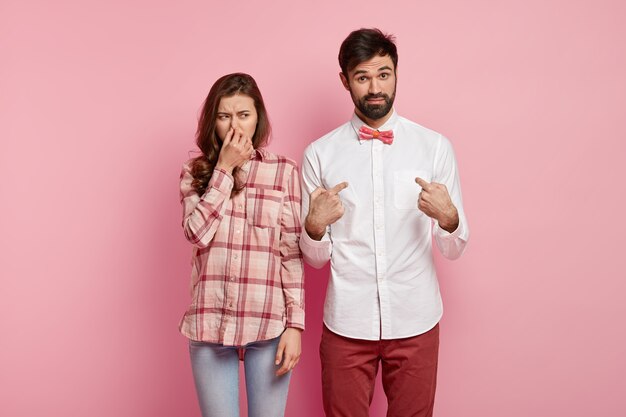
(390, 124)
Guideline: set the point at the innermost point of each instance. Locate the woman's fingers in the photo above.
(229, 136)
(290, 360)
(238, 138)
(249, 148)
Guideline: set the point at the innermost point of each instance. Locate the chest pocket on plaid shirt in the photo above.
(263, 207)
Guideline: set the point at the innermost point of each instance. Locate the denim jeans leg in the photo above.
(216, 374)
(267, 393)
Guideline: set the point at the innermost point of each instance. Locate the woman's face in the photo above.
(238, 112)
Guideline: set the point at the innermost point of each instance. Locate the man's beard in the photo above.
(374, 111)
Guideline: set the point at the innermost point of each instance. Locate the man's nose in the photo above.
(374, 87)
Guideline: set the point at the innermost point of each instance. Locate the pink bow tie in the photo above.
(386, 136)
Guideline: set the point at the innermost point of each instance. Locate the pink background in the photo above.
(98, 106)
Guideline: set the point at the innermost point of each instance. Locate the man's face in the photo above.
(372, 85)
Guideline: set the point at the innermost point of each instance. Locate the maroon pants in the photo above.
(409, 374)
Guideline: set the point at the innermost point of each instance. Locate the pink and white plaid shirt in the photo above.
(247, 278)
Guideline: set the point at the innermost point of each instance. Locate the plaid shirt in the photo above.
(247, 278)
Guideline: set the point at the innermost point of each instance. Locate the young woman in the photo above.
(241, 212)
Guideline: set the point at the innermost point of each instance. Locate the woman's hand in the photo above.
(289, 350)
(236, 150)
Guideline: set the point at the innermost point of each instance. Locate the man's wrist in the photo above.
(315, 230)
(450, 222)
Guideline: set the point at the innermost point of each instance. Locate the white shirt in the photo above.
(383, 283)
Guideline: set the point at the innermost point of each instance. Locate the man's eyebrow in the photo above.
(362, 71)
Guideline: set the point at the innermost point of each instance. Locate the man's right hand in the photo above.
(325, 208)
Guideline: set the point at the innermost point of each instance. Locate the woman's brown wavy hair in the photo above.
(206, 136)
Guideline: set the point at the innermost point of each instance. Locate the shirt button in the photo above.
(234, 277)
(230, 304)
(234, 256)
(237, 231)
(240, 206)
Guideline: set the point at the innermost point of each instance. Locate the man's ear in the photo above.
(344, 81)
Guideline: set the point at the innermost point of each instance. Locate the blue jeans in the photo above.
(216, 374)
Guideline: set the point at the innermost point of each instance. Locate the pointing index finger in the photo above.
(337, 188)
(422, 183)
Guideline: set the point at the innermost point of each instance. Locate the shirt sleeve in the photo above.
(292, 269)
(452, 245)
(316, 253)
(202, 215)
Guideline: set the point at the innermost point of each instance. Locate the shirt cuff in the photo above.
(444, 234)
(221, 181)
(295, 317)
(315, 252)
(312, 243)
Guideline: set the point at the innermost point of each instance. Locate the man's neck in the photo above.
(374, 123)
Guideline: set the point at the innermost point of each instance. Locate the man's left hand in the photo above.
(435, 202)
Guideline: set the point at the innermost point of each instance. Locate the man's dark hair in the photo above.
(362, 45)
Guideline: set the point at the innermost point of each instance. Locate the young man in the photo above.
(376, 190)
